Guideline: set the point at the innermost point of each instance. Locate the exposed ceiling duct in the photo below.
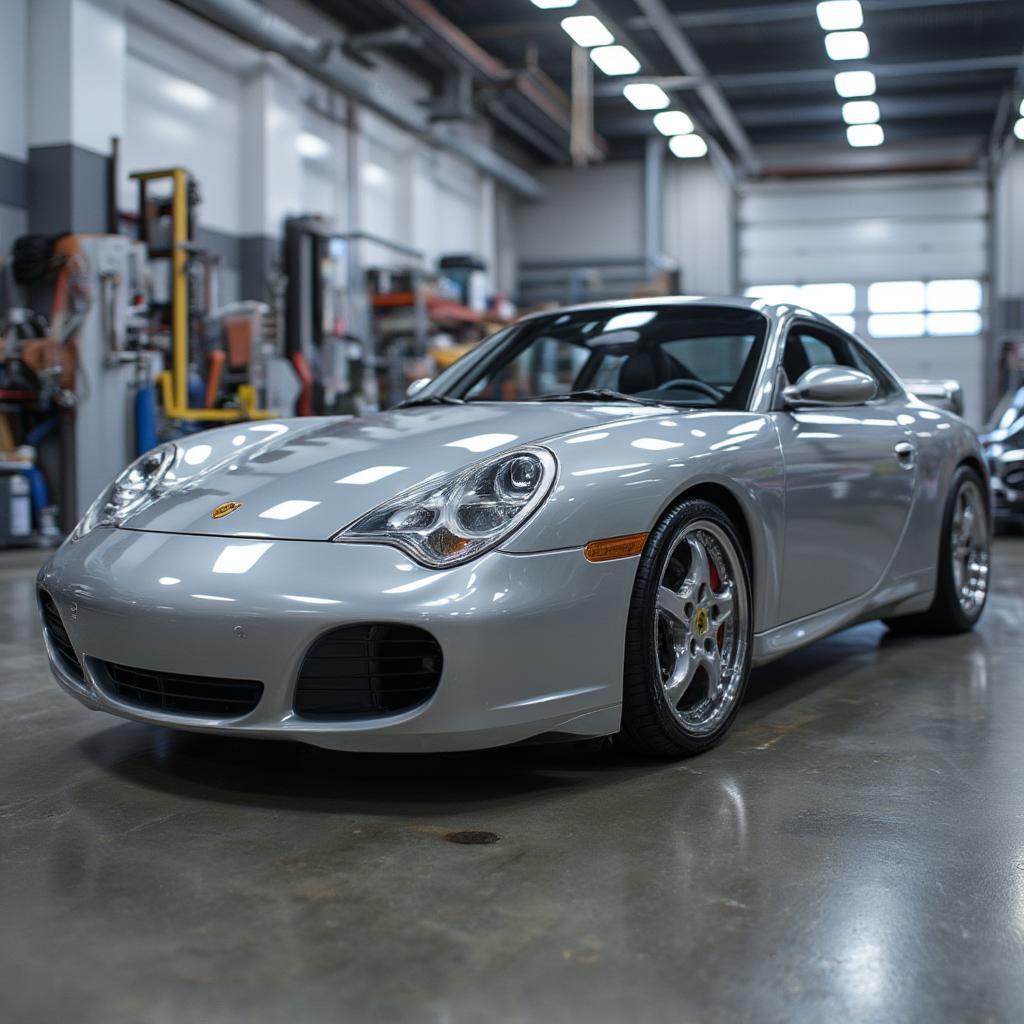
(324, 60)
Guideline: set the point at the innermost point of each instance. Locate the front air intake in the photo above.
(58, 635)
(368, 670)
(175, 694)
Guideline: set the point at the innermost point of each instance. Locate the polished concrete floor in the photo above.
(853, 852)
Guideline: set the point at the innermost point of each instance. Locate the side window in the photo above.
(809, 347)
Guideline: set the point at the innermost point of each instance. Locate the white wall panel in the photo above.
(183, 110)
(76, 66)
(699, 230)
(14, 78)
(587, 214)
(1009, 226)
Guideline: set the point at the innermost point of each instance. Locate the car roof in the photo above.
(773, 311)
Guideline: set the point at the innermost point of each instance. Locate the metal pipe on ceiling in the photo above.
(322, 59)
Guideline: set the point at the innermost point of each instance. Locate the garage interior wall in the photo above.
(881, 229)
(264, 141)
(579, 224)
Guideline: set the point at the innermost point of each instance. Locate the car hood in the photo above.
(305, 479)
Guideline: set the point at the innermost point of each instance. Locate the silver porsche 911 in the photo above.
(594, 524)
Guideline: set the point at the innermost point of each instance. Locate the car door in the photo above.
(849, 480)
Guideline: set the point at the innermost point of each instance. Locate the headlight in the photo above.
(133, 489)
(454, 520)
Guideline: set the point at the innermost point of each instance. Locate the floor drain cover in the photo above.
(472, 838)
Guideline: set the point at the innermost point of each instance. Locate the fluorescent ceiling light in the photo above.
(688, 147)
(855, 83)
(615, 60)
(1018, 129)
(865, 135)
(550, 5)
(845, 45)
(861, 112)
(646, 96)
(311, 146)
(673, 122)
(586, 30)
(836, 15)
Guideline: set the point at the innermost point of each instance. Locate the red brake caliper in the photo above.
(714, 590)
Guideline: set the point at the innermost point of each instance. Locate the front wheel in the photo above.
(964, 558)
(689, 633)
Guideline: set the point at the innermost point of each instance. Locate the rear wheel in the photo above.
(964, 559)
(688, 634)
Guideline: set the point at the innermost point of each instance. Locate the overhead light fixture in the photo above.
(1022, 108)
(673, 122)
(646, 96)
(837, 15)
(1018, 129)
(855, 83)
(844, 45)
(551, 5)
(861, 112)
(865, 135)
(615, 60)
(311, 146)
(586, 30)
(688, 147)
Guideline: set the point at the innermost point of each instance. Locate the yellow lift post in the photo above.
(174, 382)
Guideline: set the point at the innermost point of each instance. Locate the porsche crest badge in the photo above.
(225, 510)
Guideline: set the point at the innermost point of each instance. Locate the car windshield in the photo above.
(704, 356)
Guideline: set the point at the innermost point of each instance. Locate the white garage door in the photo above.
(903, 261)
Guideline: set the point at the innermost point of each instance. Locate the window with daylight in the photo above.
(913, 309)
(836, 300)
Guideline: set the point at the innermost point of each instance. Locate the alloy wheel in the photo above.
(701, 627)
(969, 548)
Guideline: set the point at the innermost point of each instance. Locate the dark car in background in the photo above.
(1003, 442)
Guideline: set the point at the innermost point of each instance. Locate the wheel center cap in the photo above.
(701, 622)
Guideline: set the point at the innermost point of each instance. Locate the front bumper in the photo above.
(532, 644)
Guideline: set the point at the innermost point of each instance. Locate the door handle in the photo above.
(906, 454)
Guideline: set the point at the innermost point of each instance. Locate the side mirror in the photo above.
(830, 385)
(416, 386)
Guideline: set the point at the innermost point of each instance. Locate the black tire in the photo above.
(648, 722)
(946, 615)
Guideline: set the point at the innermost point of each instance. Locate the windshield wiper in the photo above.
(411, 403)
(599, 395)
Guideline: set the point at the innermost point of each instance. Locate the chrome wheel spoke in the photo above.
(722, 605)
(700, 571)
(673, 605)
(683, 673)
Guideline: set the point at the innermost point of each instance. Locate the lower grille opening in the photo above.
(182, 695)
(375, 669)
(59, 635)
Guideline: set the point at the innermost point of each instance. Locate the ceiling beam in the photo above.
(758, 79)
(690, 63)
(764, 14)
